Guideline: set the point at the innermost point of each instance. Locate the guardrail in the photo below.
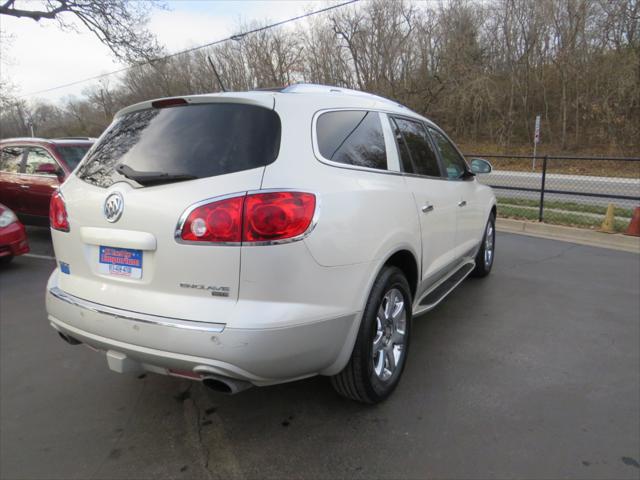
(564, 186)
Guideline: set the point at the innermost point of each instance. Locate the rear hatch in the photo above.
(126, 200)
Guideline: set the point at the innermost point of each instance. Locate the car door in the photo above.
(435, 198)
(11, 166)
(40, 172)
(470, 221)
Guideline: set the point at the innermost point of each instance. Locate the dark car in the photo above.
(31, 169)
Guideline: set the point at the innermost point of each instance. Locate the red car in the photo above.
(13, 238)
(31, 169)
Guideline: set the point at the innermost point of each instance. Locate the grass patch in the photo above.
(569, 219)
(562, 205)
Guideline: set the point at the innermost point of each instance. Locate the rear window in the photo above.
(193, 141)
(72, 154)
(352, 137)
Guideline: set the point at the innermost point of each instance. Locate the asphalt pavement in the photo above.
(533, 372)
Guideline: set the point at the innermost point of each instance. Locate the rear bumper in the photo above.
(13, 240)
(163, 345)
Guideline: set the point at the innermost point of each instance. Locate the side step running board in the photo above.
(435, 296)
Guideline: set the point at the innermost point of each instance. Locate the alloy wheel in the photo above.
(488, 245)
(390, 335)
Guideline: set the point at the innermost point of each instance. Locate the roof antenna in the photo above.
(216, 74)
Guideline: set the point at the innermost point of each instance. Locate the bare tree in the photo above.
(119, 24)
(482, 69)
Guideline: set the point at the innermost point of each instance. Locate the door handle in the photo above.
(427, 207)
(462, 203)
(26, 187)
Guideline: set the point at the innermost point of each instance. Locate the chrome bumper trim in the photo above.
(138, 317)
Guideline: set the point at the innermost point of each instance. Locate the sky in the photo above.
(39, 55)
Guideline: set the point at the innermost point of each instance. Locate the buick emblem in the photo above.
(113, 207)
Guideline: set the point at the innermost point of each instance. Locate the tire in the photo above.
(370, 376)
(6, 260)
(484, 260)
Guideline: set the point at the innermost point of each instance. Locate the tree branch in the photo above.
(33, 14)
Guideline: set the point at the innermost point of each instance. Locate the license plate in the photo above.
(120, 262)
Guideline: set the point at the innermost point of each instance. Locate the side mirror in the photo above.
(480, 165)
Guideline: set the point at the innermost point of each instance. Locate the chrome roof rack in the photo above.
(316, 88)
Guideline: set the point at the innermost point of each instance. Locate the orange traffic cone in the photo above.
(634, 225)
(609, 220)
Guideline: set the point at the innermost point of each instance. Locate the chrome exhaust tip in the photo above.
(220, 383)
(228, 386)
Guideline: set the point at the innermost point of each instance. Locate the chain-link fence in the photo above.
(565, 190)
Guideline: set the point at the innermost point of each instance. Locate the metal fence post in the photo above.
(544, 179)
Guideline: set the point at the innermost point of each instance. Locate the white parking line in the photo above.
(35, 255)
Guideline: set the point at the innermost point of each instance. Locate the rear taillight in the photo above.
(252, 218)
(218, 222)
(277, 215)
(58, 213)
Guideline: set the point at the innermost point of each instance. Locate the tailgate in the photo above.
(136, 263)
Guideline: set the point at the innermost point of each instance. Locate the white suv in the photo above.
(261, 237)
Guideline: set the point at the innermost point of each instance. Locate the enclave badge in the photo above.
(113, 207)
(213, 289)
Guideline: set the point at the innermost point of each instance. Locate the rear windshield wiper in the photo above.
(151, 178)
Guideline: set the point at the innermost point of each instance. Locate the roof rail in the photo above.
(317, 88)
(268, 89)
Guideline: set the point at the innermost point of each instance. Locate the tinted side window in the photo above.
(10, 159)
(352, 137)
(36, 158)
(416, 153)
(453, 162)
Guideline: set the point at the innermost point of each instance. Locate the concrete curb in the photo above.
(615, 241)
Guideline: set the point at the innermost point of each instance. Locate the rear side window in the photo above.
(36, 158)
(10, 159)
(191, 141)
(416, 153)
(353, 138)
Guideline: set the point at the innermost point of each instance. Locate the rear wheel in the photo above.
(485, 256)
(381, 348)
(6, 260)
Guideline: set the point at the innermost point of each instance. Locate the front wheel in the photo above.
(486, 254)
(381, 348)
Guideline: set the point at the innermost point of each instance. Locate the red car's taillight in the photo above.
(251, 218)
(58, 213)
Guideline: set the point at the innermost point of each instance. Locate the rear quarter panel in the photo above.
(364, 216)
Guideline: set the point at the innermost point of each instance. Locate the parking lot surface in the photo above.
(533, 372)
